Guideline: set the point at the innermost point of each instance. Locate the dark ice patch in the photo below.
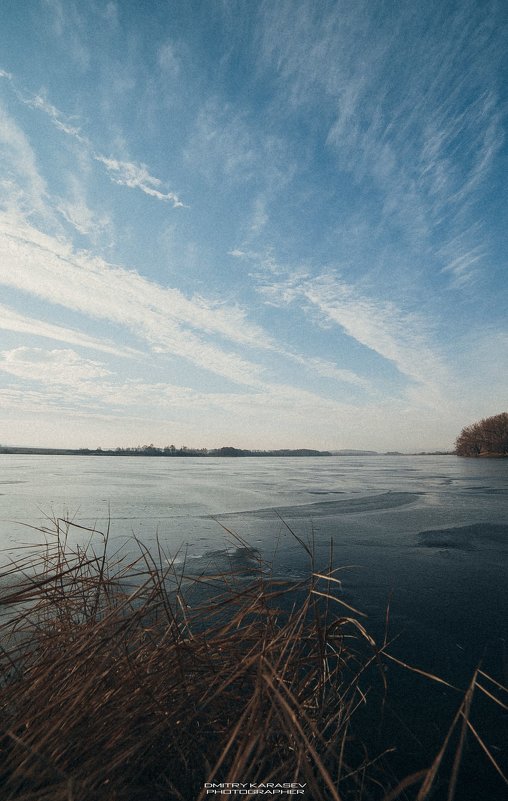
(447, 539)
(326, 492)
(488, 490)
(464, 538)
(369, 503)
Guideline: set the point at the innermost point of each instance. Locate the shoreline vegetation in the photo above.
(129, 680)
(486, 438)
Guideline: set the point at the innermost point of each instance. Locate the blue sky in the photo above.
(265, 224)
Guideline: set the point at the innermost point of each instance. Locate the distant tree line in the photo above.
(169, 450)
(488, 436)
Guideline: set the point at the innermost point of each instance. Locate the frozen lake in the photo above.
(430, 533)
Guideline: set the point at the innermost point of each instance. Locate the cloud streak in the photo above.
(396, 336)
(136, 176)
(28, 191)
(124, 173)
(50, 367)
(11, 320)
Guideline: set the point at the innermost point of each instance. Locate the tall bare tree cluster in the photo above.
(489, 435)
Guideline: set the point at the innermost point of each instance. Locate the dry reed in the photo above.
(128, 681)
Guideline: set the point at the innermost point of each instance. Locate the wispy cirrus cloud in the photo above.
(397, 336)
(328, 369)
(352, 152)
(418, 133)
(11, 320)
(463, 266)
(75, 208)
(137, 176)
(25, 191)
(227, 144)
(58, 366)
(78, 213)
(23, 186)
(63, 123)
(124, 172)
(462, 262)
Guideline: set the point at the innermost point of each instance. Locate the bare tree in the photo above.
(489, 435)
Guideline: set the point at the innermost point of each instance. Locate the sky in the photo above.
(267, 224)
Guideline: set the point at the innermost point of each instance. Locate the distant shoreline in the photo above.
(228, 452)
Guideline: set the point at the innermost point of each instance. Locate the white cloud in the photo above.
(11, 320)
(82, 218)
(59, 366)
(77, 383)
(222, 145)
(58, 119)
(136, 176)
(75, 209)
(23, 186)
(328, 369)
(267, 416)
(463, 267)
(397, 336)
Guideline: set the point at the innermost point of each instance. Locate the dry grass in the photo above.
(124, 681)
